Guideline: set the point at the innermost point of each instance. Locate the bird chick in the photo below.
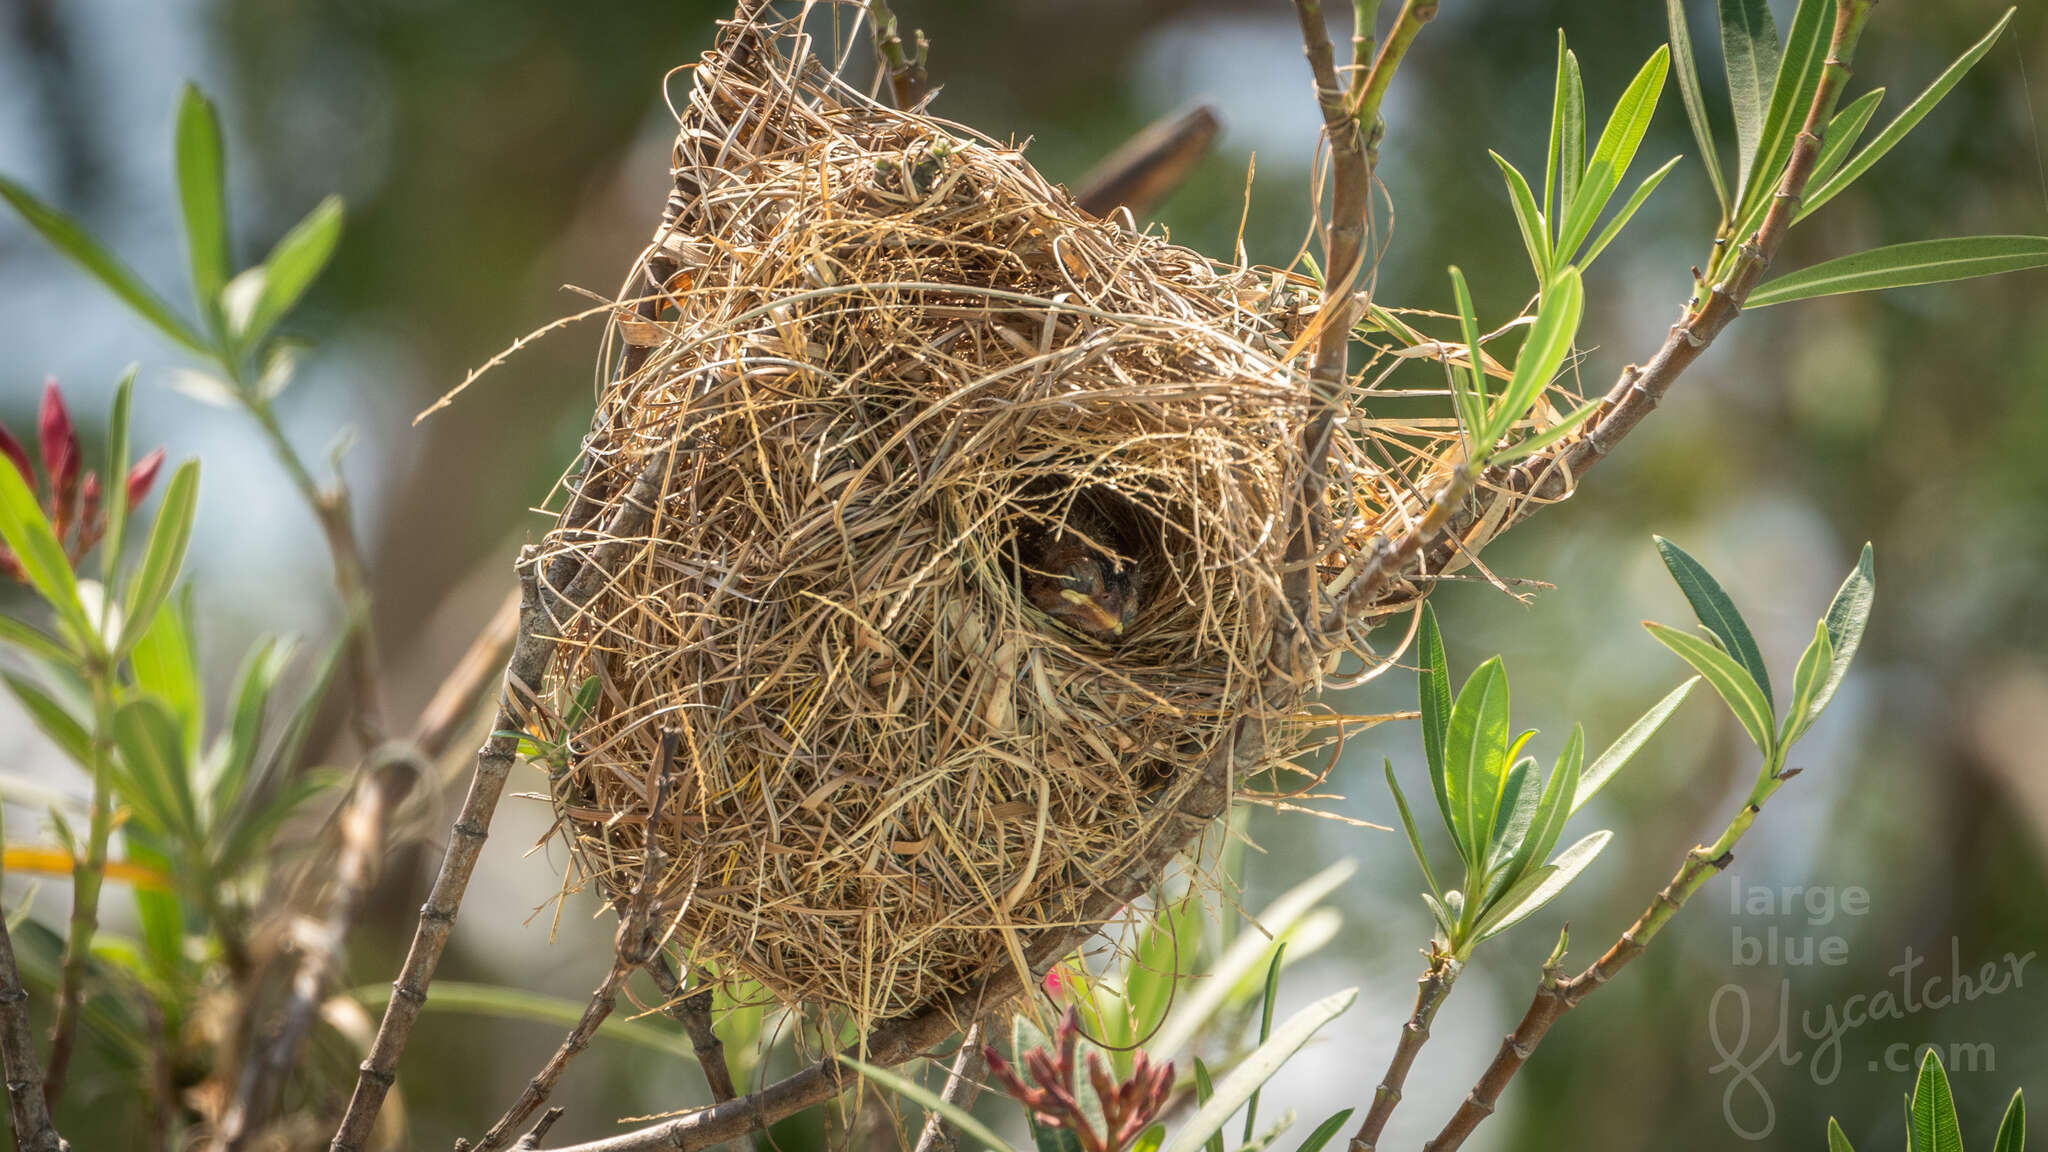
(1072, 578)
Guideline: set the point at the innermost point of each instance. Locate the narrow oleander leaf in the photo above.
(1846, 617)
(1838, 1141)
(1325, 1132)
(1843, 131)
(1750, 53)
(1541, 886)
(116, 470)
(1571, 163)
(154, 776)
(1528, 217)
(1530, 445)
(1475, 754)
(71, 239)
(27, 532)
(1904, 265)
(911, 1090)
(1620, 219)
(1414, 837)
(1904, 122)
(167, 668)
(1688, 70)
(1626, 745)
(1261, 1065)
(1741, 693)
(292, 266)
(2012, 1131)
(1814, 664)
(255, 685)
(1619, 140)
(1468, 383)
(202, 196)
(51, 718)
(1205, 1091)
(165, 556)
(1798, 78)
(34, 642)
(1520, 794)
(1716, 611)
(1270, 993)
(1543, 352)
(1934, 1110)
(1553, 810)
(1433, 686)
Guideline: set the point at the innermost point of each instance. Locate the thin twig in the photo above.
(631, 948)
(88, 873)
(693, 1012)
(1434, 986)
(33, 1131)
(1149, 167)
(963, 1080)
(523, 675)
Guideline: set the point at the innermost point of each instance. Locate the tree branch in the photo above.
(693, 1012)
(33, 1131)
(1150, 166)
(523, 676)
(1434, 986)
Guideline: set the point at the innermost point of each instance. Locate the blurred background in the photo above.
(493, 151)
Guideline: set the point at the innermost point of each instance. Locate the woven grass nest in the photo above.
(890, 359)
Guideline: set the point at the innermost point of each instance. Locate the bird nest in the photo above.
(966, 549)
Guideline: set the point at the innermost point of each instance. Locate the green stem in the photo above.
(1407, 26)
(87, 873)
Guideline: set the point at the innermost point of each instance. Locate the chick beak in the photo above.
(1097, 617)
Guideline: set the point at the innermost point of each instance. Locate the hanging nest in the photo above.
(898, 391)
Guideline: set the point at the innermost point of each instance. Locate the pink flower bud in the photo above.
(142, 475)
(61, 456)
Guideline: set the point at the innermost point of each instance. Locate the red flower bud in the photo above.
(61, 456)
(142, 475)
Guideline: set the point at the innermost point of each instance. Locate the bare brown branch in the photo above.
(693, 1012)
(33, 1131)
(1150, 166)
(1434, 986)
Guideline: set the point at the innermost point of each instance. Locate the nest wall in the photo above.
(886, 353)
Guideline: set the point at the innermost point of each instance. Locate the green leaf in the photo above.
(1568, 135)
(1325, 1131)
(162, 914)
(1798, 78)
(1688, 70)
(51, 718)
(2012, 1131)
(165, 556)
(1934, 1110)
(1527, 217)
(115, 497)
(1521, 791)
(166, 667)
(1843, 131)
(1620, 219)
(246, 841)
(1619, 140)
(1530, 445)
(1150, 1139)
(1266, 999)
(1740, 692)
(1749, 49)
(1838, 1141)
(254, 686)
(1626, 745)
(1433, 686)
(1904, 265)
(1716, 611)
(1903, 122)
(1254, 1070)
(73, 241)
(32, 641)
(1540, 887)
(26, 531)
(1846, 616)
(154, 774)
(1468, 384)
(959, 1117)
(292, 266)
(1550, 339)
(1806, 683)
(1553, 810)
(202, 194)
(1247, 954)
(1205, 1091)
(1475, 752)
(1414, 838)
(1165, 952)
